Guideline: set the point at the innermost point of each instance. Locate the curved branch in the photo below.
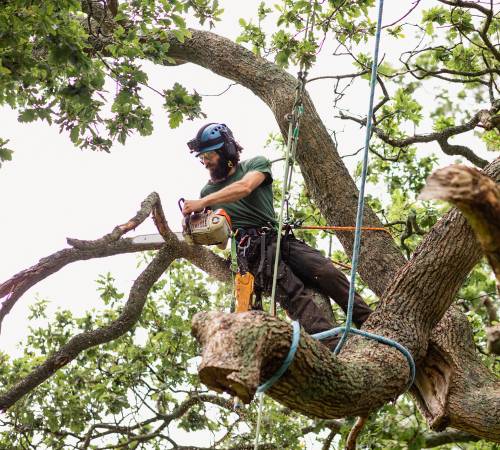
(354, 433)
(447, 437)
(482, 116)
(339, 77)
(478, 198)
(461, 150)
(126, 320)
(109, 245)
(17, 285)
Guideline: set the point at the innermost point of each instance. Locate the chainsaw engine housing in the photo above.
(207, 228)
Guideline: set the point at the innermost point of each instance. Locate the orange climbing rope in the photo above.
(338, 228)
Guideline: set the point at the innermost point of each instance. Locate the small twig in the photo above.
(354, 433)
(416, 2)
(340, 77)
(338, 263)
(220, 93)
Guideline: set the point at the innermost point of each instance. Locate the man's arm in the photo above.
(233, 192)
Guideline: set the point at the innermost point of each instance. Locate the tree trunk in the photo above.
(241, 351)
(329, 182)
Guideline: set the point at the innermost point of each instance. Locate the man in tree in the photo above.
(244, 191)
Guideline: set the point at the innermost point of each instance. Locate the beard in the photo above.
(219, 171)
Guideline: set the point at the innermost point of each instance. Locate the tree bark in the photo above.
(128, 317)
(412, 306)
(454, 387)
(241, 351)
(415, 295)
(425, 287)
(447, 437)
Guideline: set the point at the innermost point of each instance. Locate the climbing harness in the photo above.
(293, 133)
(249, 245)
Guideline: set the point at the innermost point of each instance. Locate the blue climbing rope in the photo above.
(357, 241)
(286, 363)
(293, 135)
(361, 198)
(375, 337)
(359, 222)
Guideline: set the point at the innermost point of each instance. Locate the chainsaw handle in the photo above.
(181, 202)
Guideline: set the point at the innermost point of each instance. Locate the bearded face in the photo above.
(217, 166)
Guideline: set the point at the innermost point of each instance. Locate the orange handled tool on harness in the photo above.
(243, 288)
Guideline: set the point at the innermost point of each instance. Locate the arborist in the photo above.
(244, 190)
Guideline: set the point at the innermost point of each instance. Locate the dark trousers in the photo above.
(300, 266)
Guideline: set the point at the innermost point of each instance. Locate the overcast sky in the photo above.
(52, 190)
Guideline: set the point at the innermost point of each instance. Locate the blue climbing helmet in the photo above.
(213, 136)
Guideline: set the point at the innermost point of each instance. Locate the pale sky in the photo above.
(52, 190)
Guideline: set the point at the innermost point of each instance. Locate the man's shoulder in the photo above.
(259, 163)
(207, 189)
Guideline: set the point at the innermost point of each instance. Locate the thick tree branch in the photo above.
(410, 308)
(453, 387)
(109, 245)
(330, 184)
(407, 313)
(478, 198)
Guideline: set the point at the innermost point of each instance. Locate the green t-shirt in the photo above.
(254, 210)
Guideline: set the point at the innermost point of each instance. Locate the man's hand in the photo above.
(232, 193)
(193, 206)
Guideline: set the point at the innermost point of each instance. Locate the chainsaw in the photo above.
(204, 228)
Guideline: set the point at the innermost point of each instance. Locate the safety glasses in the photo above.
(207, 156)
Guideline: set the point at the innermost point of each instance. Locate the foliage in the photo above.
(79, 66)
(134, 386)
(143, 387)
(52, 68)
